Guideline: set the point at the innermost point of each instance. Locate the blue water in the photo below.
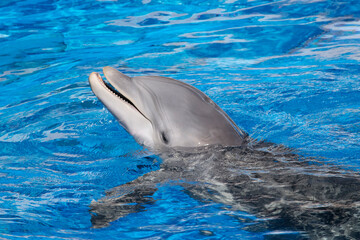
(285, 71)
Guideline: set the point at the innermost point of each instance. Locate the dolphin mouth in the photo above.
(112, 90)
(117, 93)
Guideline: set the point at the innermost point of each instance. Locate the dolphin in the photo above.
(202, 150)
(155, 111)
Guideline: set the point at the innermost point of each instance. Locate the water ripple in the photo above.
(285, 71)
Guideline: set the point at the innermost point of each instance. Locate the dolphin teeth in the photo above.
(118, 94)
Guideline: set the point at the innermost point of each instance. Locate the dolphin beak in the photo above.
(121, 86)
(120, 82)
(117, 97)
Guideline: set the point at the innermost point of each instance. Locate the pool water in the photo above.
(285, 71)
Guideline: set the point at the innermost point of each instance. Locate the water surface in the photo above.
(285, 71)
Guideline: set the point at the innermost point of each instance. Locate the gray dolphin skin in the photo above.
(154, 110)
(203, 151)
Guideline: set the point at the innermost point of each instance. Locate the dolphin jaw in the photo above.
(129, 116)
(112, 89)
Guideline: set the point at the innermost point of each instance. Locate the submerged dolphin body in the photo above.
(287, 194)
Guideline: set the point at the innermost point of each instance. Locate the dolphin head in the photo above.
(161, 112)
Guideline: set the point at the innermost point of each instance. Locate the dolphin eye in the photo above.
(164, 138)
